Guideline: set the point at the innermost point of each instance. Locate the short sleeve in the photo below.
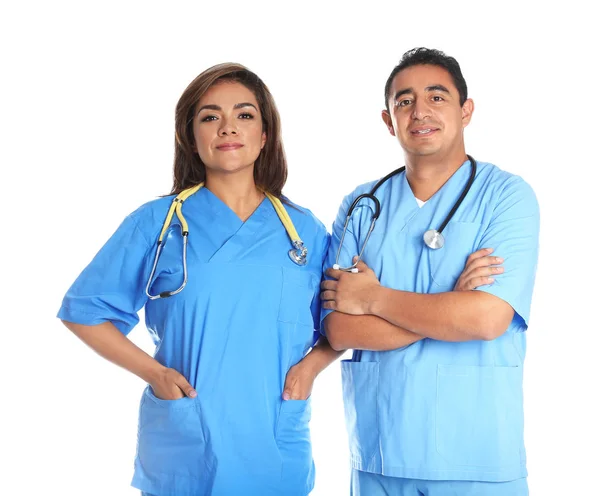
(316, 302)
(514, 234)
(112, 287)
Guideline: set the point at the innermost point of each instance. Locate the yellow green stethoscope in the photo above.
(298, 254)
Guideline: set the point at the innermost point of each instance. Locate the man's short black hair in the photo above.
(429, 56)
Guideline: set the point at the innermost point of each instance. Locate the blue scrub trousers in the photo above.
(368, 484)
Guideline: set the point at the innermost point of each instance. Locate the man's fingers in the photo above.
(328, 285)
(327, 295)
(328, 305)
(479, 281)
(485, 271)
(481, 262)
(479, 254)
(361, 266)
(333, 273)
(483, 267)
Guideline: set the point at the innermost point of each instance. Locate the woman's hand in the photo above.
(299, 382)
(171, 385)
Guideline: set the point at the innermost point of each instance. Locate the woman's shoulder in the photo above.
(304, 217)
(150, 216)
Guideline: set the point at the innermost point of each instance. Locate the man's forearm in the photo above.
(365, 332)
(452, 316)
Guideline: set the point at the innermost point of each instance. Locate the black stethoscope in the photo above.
(433, 238)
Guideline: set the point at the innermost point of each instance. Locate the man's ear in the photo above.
(467, 111)
(387, 119)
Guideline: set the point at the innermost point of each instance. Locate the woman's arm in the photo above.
(106, 340)
(300, 378)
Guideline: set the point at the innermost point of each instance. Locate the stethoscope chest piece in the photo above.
(297, 259)
(434, 239)
(299, 253)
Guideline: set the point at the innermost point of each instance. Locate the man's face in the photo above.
(425, 112)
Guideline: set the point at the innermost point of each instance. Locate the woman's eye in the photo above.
(246, 115)
(209, 118)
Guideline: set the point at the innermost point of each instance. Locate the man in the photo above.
(434, 398)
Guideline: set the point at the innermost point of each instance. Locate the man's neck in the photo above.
(427, 174)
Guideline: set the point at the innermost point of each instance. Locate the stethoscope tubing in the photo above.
(371, 196)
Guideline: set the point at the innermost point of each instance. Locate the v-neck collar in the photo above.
(407, 211)
(438, 206)
(220, 208)
(239, 235)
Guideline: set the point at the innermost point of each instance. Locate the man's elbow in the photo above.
(493, 327)
(336, 340)
(334, 332)
(490, 334)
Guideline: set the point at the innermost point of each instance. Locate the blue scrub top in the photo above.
(247, 314)
(439, 410)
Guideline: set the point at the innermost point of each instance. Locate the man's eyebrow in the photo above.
(437, 87)
(404, 91)
(434, 87)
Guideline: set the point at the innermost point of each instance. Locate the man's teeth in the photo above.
(423, 131)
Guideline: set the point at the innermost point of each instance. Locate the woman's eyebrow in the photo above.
(212, 106)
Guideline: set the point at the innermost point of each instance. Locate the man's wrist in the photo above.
(376, 301)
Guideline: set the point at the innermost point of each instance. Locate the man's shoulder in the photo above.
(504, 185)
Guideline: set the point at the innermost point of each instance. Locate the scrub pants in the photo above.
(368, 484)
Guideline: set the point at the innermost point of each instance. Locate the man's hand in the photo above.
(478, 270)
(350, 293)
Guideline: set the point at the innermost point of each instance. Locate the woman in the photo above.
(226, 410)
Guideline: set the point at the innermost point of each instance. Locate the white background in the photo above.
(87, 97)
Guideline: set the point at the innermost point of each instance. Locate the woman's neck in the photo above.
(238, 192)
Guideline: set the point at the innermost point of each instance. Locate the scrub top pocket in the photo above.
(297, 291)
(360, 385)
(172, 440)
(479, 415)
(448, 263)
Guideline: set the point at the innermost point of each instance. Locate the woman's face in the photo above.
(228, 128)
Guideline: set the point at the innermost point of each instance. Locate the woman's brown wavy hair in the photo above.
(270, 168)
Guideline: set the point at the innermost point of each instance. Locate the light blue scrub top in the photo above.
(438, 410)
(247, 314)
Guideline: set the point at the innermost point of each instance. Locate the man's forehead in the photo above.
(422, 77)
